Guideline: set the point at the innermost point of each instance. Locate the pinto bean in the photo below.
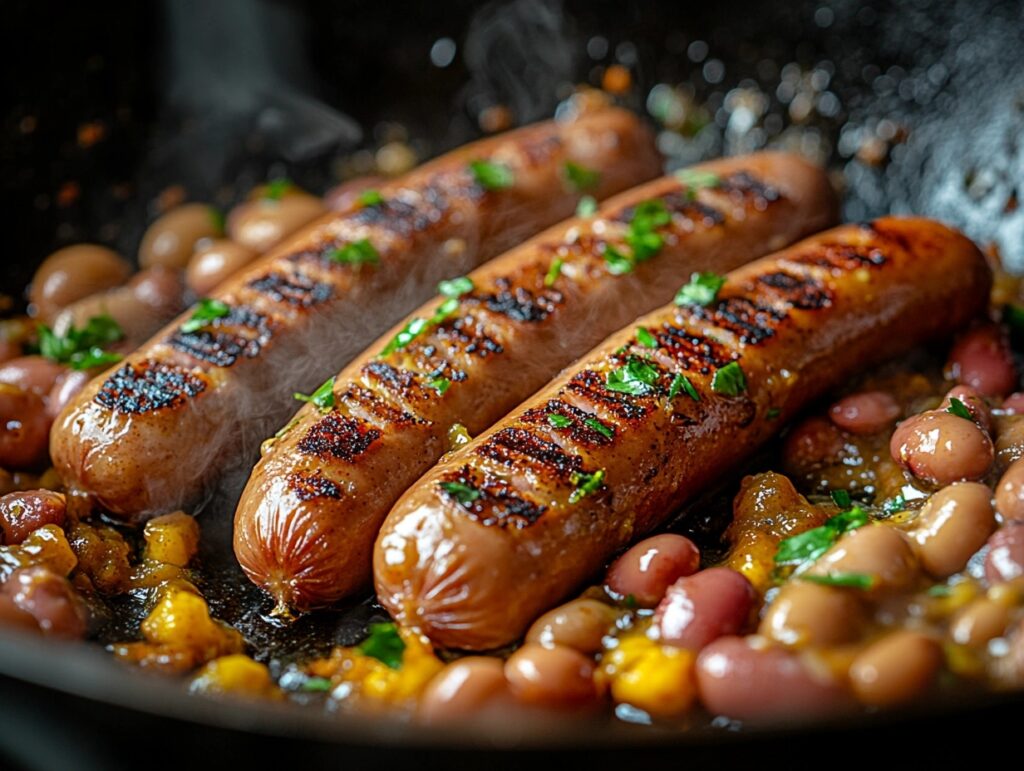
(21, 513)
(1010, 492)
(31, 373)
(1005, 558)
(1014, 403)
(647, 569)
(981, 358)
(579, 624)
(808, 614)
(214, 262)
(13, 617)
(24, 428)
(941, 448)
(974, 401)
(50, 599)
(700, 608)
(867, 412)
(464, 690)
(745, 679)
(896, 669)
(814, 443)
(74, 272)
(879, 551)
(171, 239)
(1009, 444)
(952, 525)
(264, 222)
(555, 677)
(980, 621)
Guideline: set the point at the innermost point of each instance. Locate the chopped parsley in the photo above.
(356, 253)
(585, 484)
(418, 326)
(371, 197)
(682, 383)
(316, 685)
(702, 290)
(554, 271)
(773, 413)
(559, 421)
(464, 494)
(841, 498)
(636, 378)
(618, 262)
(587, 207)
(82, 348)
(939, 590)
(276, 188)
(958, 408)
(384, 644)
(580, 177)
(600, 427)
(456, 287)
(440, 384)
(729, 380)
(217, 219)
(94, 357)
(804, 548)
(207, 310)
(641, 236)
(322, 398)
(696, 179)
(838, 578)
(492, 176)
(644, 336)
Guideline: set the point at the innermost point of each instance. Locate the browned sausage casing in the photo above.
(306, 523)
(193, 405)
(508, 525)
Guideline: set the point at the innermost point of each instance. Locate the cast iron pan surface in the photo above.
(916, 106)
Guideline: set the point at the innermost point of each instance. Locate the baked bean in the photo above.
(65, 389)
(465, 690)
(941, 448)
(1010, 492)
(896, 669)
(13, 617)
(74, 272)
(981, 358)
(31, 373)
(745, 679)
(579, 624)
(700, 608)
(172, 237)
(21, 513)
(951, 526)
(646, 570)
(555, 677)
(344, 196)
(879, 551)
(980, 621)
(808, 614)
(9, 349)
(265, 222)
(50, 599)
(867, 412)
(24, 428)
(1009, 443)
(214, 262)
(1014, 403)
(813, 443)
(1005, 558)
(160, 289)
(974, 402)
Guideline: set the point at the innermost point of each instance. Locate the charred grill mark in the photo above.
(243, 332)
(876, 228)
(589, 385)
(514, 447)
(496, 502)
(381, 410)
(578, 431)
(805, 293)
(297, 289)
(537, 153)
(750, 321)
(517, 302)
(741, 187)
(338, 436)
(403, 218)
(841, 257)
(390, 378)
(136, 389)
(692, 352)
(308, 487)
(466, 333)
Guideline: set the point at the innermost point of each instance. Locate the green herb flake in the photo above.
(838, 578)
(682, 383)
(440, 384)
(464, 494)
(207, 310)
(360, 252)
(806, 547)
(81, 348)
(587, 207)
(940, 590)
(729, 380)
(641, 235)
(316, 685)
(276, 188)
(456, 287)
(958, 408)
(384, 644)
(893, 505)
(559, 421)
(605, 431)
(371, 197)
(94, 357)
(217, 219)
(492, 176)
(645, 338)
(585, 484)
(630, 601)
(580, 177)
(636, 378)
(702, 290)
(696, 179)
(1013, 315)
(773, 413)
(618, 262)
(841, 498)
(554, 271)
(322, 398)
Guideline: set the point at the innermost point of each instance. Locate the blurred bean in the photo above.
(346, 195)
(745, 680)
(31, 373)
(700, 608)
(981, 358)
(896, 669)
(1005, 558)
(214, 262)
(978, 622)
(50, 599)
(973, 400)
(879, 551)
(74, 272)
(171, 239)
(942, 448)
(65, 389)
(9, 349)
(813, 443)
(579, 624)
(805, 614)
(647, 569)
(24, 428)
(1009, 444)
(867, 412)
(1010, 492)
(264, 223)
(465, 690)
(13, 617)
(952, 525)
(23, 512)
(1014, 403)
(554, 677)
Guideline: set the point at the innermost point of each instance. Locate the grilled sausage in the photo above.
(511, 523)
(306, 523)
(193, 403)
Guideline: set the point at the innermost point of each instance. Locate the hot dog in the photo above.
(194, 402)
(511, 523)
(305, 525)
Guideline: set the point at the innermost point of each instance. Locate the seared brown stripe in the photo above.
(403, 218)
(467, 334)
(400, 381)
(243, 332)
(692, 352)
(804, 293)
(372, 404)
(517, 302)
(842, 257)
(578, 431)
(742, 187)
(513, 447)
(338, 436)
(496, 504)
(591, 386)
(136, 389)
(296, 289)
(750, 321)
(310, 486)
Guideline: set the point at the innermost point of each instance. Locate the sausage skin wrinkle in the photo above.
(306, 523)
(511, 523)
(192, 405)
